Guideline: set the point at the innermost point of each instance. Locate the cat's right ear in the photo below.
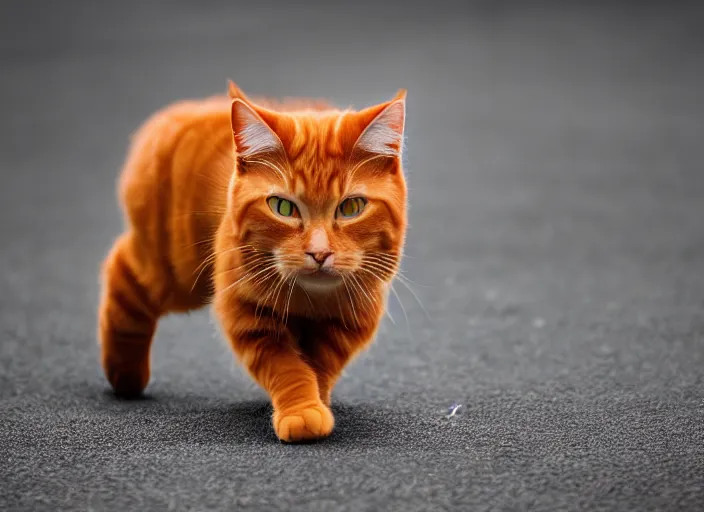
(253, 136)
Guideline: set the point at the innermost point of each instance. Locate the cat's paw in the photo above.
(304, 424)
(127, 381)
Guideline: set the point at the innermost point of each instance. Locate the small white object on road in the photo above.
(452, 410)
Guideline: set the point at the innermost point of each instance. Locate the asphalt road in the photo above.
(557, 243)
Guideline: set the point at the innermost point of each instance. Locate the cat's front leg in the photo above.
(328, 358)
(272, 358)
(330, 350)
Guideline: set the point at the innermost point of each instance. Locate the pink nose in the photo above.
(321, 258)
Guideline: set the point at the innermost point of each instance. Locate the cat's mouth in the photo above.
(319, 278)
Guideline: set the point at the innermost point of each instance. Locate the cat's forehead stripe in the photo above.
(299, 187)
(334, 185)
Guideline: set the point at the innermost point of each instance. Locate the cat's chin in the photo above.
(319, 281)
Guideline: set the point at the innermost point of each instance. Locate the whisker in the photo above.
(354, 291)
(372, 297)
(360, 285)
(252, 263)
(416, 297)
(344, 281)
(339, 306)
(262, 302)
(405, 315)
(402, 279)
(364, 269)
(386, 271)
(279, 289)
(386, 310)
(403, 276)
(288, 300)
(309, 299)
(197, 278)
(215, 254)
(250, 276)
(263, 278)
(206, 240)
(390, 258)
(391, 268)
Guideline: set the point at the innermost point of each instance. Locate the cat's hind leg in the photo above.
(128, 314)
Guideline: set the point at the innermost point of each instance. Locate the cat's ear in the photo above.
(384, 125)
(234, 92)
(252, 134)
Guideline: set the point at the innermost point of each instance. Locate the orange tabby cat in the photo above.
(290, 218)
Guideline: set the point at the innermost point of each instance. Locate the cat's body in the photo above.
(291, 221)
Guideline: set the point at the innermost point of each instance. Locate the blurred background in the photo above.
(554, 159)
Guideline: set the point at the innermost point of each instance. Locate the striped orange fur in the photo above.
(289, 217)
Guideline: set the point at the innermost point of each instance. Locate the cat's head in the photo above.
(319, 195)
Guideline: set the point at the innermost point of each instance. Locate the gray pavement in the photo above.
(557, 243)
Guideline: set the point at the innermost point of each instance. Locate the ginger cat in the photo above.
(289, 217)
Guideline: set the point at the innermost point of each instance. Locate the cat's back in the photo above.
(173, 186)
(173, 138)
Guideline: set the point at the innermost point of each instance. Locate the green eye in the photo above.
(282, 207)
(351, 207)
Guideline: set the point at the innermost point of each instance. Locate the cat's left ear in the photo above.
(252, 134)
(383, 134)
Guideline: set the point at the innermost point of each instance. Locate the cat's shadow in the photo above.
(201, 420)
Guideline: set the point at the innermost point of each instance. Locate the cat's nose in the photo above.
(321, 258)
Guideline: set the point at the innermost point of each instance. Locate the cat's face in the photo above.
(319, 198)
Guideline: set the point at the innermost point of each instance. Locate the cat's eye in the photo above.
(351, 207)
(283, 207)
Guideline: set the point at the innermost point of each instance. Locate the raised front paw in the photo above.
(307, 423)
